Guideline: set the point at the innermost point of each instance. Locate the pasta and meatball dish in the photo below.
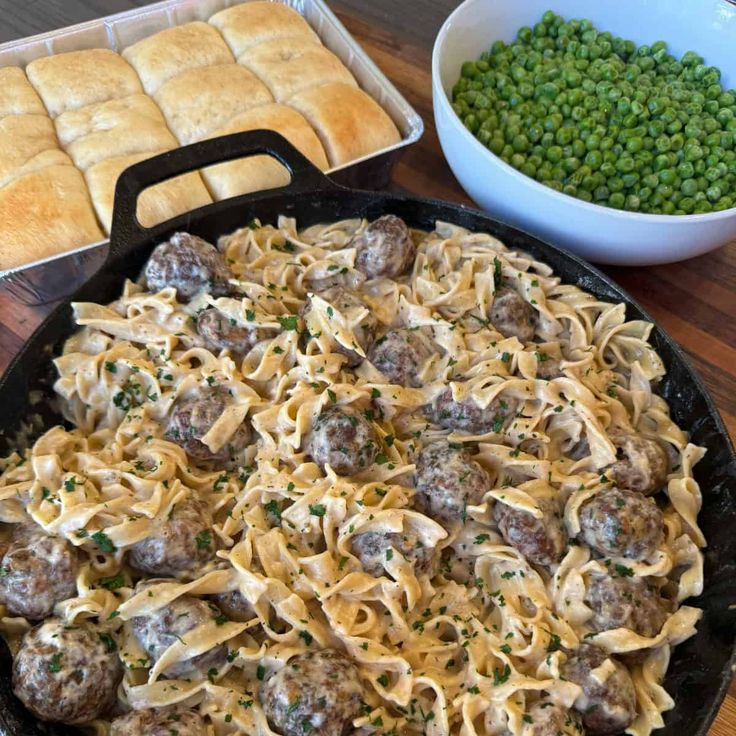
(351, 479)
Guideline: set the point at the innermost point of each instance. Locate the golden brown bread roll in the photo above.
(27, 143)
(156, 204)
(45, 213)
(290, 65)
(201, 100)
(248, 24)
(262, 172)
(115, 128)
(350, 123)
(18, 96)
(167, 53)
(79, 78)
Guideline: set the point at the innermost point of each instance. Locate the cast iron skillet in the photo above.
(700, 670)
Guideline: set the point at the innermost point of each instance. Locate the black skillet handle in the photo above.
(127, 230)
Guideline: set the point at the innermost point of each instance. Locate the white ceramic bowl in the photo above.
(597, 233)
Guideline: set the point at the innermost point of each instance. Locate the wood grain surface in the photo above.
(695, 301)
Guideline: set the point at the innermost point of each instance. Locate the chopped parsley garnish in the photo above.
(622, 571)
(203, 539)
(375, 393)
(250, 314)
(497, 273)
(272, 507)
(481, 538)
(501, 676)
(55, 665)
(260, 672)
(318, 509)
(332, 395)
(113, 582)
(288, 323)
(103, 541)
(109, 642)
(212, 672)
(382, 680)
(389, 554)
(110, 366)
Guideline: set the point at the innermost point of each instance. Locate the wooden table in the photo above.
(694, 301)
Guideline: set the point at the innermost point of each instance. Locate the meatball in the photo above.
(164, 722)
(625, 602)
(547, 718)
(317, 692)
(219, 332)
(641, 463)
(373, 549)
(346, 301)
(38, 571)
(385, 248)
(467, 416)
(157, 631)
(400, 355)
(512, 315)
(448, 480)
(192, 418)
(188, 264)
(182, 542)
(608, 707)
(234, 605)
(66, 673)
(543, 541)
(343, 439)
(622, 523)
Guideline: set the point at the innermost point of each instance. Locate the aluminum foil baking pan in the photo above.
(52, 278)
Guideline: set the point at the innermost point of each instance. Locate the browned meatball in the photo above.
(157, 631)
(343, 439)
(234, 605)
(184, 541)
(400, 355)
(192, 418)
(547, 718)
(641, 464)
(385, 248)
(37, 571)
(622, 523)
(67, 673)
(542, 541)
(219, 332)
(374, 549)
(346, 301)
(467, 416)
(448, 480)
(314, 693)
(512, 315)
(609, 707)
(159, 722)
(188, 264)
(625, 602)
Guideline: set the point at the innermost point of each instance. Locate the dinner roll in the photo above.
(263, 172)
(249, 24)
(201, 100)
(44, 213)
(173, 51)
(290, 65)
(78, 78)
(350, 123)
(156, 204)
(18, 97)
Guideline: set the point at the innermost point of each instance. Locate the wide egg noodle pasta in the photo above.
(462, 653)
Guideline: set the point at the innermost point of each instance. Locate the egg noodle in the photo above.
(464, 652)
